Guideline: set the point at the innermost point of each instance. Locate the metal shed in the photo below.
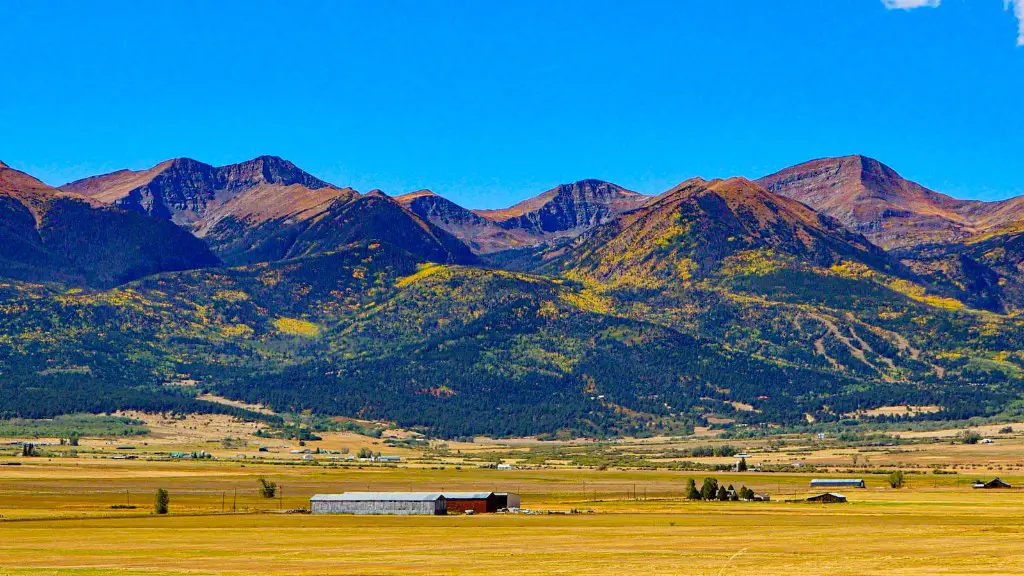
(398, 503)
(507, 500)
(838, 483)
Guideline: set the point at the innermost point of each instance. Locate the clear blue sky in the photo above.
(489, 102)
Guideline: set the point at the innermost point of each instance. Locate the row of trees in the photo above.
(710, 489)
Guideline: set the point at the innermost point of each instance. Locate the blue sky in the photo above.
(490, 102)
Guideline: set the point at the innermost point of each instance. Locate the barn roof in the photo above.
(378, 497)
(468, 495)
(837, 481)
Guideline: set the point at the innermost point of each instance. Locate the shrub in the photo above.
(162, 501)
(268, 489)
(897, 479)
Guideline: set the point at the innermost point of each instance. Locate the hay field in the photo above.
(68, 515)
(58, 520)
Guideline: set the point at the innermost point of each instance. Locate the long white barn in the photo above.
(399, 503)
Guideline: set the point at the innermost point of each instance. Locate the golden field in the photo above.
(57, 515)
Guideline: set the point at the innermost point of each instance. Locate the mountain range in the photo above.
(807, 295)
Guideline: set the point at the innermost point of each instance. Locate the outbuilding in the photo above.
(508, 500)
(838, 483)
(994, 483)
(828, 498)
(396, 503)
(477, 502)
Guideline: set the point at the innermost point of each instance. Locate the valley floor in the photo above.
(57, 519)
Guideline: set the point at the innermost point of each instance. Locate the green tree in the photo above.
(365, 452)
(723, 494)
(742, 466)
(268, 489)
(709, 489)
(162, 501)
(691, 490)
(897, 479)
(746, 493)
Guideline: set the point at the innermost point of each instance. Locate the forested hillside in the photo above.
(718, 299)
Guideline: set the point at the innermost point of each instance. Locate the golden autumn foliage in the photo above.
(296, 327)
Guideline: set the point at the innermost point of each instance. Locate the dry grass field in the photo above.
(64, 515)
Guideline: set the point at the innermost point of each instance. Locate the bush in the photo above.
(162, 501)
(897, 479)
(968, 437)
(268, 489)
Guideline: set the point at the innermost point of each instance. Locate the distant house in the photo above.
(504, 466)
(389, 458)
(838, 483)
(994, 483)
(828, 498)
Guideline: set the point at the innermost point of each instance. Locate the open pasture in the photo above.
(58, 520)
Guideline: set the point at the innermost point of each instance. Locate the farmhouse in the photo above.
(828, 498)
(397, 503)
(994, 483)
(838, 483)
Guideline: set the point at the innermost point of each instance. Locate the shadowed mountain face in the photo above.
(50, 235)
(186, 191)
(871, 198)
(482, 235)
(565, 211)
(268, 209)
(371, 217)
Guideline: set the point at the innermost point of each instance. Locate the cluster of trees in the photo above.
(710, 489)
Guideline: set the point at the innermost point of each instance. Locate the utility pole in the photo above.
(234, 501)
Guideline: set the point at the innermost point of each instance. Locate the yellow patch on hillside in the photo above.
(917, 292)
(231, 296)
(237, 331)
(588, 301)
(296, 327)
(422, 271)
(752, 262)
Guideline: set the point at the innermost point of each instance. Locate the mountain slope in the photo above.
(482, 235)
(871, 198)
(50, 235)
(699, 227)
(328, 226)
(567, 209)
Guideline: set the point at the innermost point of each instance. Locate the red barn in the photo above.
(478, 502)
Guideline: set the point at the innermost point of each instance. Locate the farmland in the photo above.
(81, 511)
